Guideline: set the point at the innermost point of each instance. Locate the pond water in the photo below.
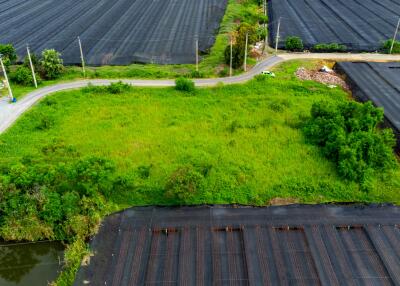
(30, 264)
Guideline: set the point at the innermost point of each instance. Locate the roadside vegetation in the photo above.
(80, 155)
(388, 44)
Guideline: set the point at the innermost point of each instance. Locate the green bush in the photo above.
(9, 54)
(35, 62)
(184, 185)
(294, 44)
(118, 87)
(387, 45)
(184, 84)
(348, 135)
(22, 75)
(329, 48)
(43, 201)
(237, 56)
(51, 64)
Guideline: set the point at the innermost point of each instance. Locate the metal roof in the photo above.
(221, 245)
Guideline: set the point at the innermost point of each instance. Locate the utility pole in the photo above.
(82, 58)
(197, 54)
(230, 62)
(277, 35)
(32, 67)
(6, 77)
(395, 35)
(245, 52)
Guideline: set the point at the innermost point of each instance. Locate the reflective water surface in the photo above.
(30, 264)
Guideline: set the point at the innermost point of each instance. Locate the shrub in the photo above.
(184, 185)
(64, 201)
(387, 45)
(237, 56)
(333, 47)
(349, 136)
(9, 54)
(22, 75)
(184, 84)
(294, 44)
(118, 87)
(35, 62)
(51, 64)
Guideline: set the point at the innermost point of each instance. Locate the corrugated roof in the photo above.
(292, 245)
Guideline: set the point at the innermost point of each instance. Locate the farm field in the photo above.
(247, 137)
(80, 155)
(360, 25)
(113, 32)
(379, 83)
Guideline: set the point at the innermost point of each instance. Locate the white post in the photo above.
(82, 58)
(6, 77)
(277, 35)
(245, 53)
(32, 67)
(395, 35)
(197, 54)
(230, 63)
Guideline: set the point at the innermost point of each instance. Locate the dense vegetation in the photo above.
(81, 154)
(388, 44)
(294, 44)
(348, 134)
(329, 48)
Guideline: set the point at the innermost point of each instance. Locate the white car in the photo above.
(268, 73)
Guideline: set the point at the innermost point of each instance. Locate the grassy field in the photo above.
(245, 141)
(246, 138)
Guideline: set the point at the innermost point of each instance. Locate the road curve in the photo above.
(9, 113)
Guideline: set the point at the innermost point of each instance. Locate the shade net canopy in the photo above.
(113, 32)
(222, 245)
(360, 25)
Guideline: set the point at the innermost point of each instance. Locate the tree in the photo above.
(22, 75)
(9, 54)
(348, 135)
(388, 44)
(51, 64)
(237, 56)
(294, 44)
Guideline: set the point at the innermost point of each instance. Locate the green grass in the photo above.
(247, 136)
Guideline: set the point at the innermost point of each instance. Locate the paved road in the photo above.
(9, 113)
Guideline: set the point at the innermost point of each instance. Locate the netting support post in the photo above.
(394, 37)
(10, 94)
(245, 53)
(277, 35)
(197, 54)
(230, 61)
(32, 67)
(82, 58)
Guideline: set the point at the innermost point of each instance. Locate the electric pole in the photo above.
(277, 35)
(197, 54)
(6, 78)
(245, 52)
(82, 58)
(230, 62)
(32, 67)
(395, 35)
